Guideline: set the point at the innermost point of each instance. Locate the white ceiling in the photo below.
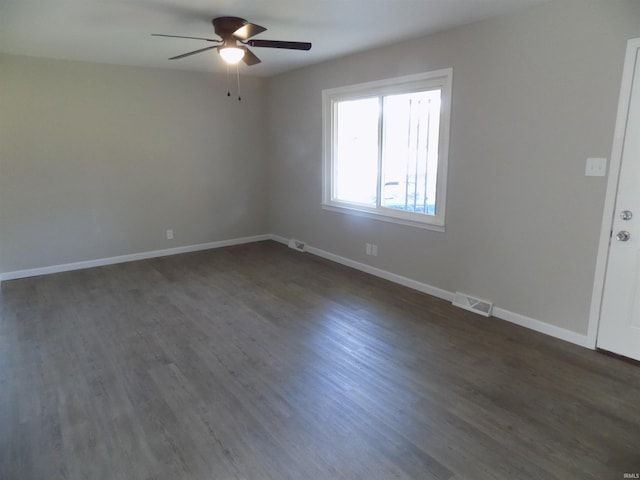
(118, 31)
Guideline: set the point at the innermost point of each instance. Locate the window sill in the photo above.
(376, 215)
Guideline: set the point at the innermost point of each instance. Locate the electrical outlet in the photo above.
(596, 167)
(368, 248)
(170, 234)
(374, 250)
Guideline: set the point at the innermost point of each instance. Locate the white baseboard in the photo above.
(543, 327)
(279, 239)
(67, 267)
(523, 321)
(501, 313)
(378, 272)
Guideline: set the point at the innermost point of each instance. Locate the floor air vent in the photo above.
(473, 304)
(297, 245)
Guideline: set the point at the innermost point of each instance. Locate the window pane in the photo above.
(410, 151)
(356, 151)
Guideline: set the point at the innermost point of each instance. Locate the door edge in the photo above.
(631, 54)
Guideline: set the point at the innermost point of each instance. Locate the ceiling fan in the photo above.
(235, 35)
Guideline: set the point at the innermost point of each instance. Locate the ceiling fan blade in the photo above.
(250, 58)
(280, 44)
(192, 53)
(248, 30)
(180, 36)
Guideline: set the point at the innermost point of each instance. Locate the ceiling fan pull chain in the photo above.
(238, 77)
(228, 82)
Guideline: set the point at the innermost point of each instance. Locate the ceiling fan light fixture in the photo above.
(231, 55)
(235, 33)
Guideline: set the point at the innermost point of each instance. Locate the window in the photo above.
(385, 149)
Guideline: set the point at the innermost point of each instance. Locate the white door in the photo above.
(619, 329)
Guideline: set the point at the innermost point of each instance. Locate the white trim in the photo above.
(392, 277)
(430, 79)
(376, 215)
(633, 46)
(501, 313)
(279, 239)
(542, 327)
(67, 267)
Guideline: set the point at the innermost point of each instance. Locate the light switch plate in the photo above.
(596, 167)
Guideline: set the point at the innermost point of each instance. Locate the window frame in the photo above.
(438, 79)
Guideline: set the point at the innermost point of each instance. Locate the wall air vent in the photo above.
(297, 245)
(472, 304)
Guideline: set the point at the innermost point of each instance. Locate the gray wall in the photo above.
(534, 95)
(99, 161)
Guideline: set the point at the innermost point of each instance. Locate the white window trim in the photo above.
(442, 79)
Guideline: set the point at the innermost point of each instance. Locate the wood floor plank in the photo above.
(259, 362)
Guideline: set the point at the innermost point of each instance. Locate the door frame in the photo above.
(633, 46)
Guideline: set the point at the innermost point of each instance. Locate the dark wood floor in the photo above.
(259, 362)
